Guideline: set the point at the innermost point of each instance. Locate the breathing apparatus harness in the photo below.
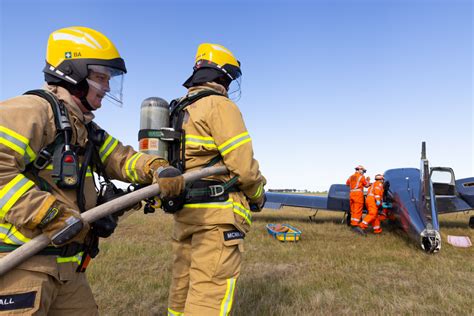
(201, 190)
(67, 175)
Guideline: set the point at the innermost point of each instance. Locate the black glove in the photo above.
(104, 227)
(171, 183)
(257, 205)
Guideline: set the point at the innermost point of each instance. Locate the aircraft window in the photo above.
(468, 184)
(441, 177)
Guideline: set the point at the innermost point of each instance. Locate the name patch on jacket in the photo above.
(233, 234)
(17, 301)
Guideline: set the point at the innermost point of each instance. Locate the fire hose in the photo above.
(38, 243)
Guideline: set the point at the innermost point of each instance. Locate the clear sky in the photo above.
(326, 85)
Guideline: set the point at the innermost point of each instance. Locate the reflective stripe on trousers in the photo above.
(226, 304)
(174, 313)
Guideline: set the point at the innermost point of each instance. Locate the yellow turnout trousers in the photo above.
(206, 265)
(24, 292)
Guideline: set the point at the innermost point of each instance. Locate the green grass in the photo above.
(331, 270)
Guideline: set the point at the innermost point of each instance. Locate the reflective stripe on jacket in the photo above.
(376, 191)
(357, 182)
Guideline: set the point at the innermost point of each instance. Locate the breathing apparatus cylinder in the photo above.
(154, 117)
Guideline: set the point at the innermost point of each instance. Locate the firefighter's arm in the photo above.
(235, 146)
(125, 164)
(378, 193)
(26, 126)
(348, 182)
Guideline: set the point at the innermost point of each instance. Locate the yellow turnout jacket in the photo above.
(26, 126)
(214, 127)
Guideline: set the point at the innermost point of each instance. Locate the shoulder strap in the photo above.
(190, 99)
(176, 155)
(61, 115)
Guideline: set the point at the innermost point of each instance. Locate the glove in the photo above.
(170, 180)
(171, 184)
(257, 204)
(386, 205)
(377, 203)
(105, 226)
(63, 225)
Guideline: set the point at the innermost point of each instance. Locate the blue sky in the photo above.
(326, 85)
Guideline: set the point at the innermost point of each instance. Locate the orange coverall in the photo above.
(356, 183)
(374, 195)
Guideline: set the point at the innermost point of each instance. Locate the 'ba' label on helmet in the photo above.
(69, 55)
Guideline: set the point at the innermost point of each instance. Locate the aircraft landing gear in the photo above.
(312, 217)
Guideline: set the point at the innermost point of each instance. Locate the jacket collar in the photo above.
(209, 86)
(72, 107)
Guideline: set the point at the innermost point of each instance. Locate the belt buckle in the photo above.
(216, 190)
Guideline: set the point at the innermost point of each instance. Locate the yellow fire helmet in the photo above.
(73, 53)
(218, 57)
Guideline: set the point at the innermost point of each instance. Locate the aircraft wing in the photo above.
(336, 200)
(462, 199)
(277, 200)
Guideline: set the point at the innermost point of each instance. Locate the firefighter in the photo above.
(209, 230)
(46, 159)
(357, 182)
(373, 204)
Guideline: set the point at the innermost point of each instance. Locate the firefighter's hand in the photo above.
(171, 182)
(63, 225)
(256, 205)
(153, 165)
(377, 203)
(105, 226)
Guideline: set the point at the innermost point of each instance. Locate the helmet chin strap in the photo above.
(86, 103)
(84, 90)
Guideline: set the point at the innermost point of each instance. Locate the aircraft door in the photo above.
(443, 180)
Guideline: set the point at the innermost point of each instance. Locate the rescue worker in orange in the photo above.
(42, 191)
(373, 203)
(209, 230)
(357, 182)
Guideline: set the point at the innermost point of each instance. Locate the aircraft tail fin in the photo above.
(431, 239)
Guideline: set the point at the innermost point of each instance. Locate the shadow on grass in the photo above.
(303, 218)
(263, 296)
(460, 224)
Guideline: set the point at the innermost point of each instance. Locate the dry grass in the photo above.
(330, 271)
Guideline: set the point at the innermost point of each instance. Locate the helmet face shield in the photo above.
(234, 91)
(105, 82)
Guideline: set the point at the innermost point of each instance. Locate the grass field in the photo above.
(330, 271)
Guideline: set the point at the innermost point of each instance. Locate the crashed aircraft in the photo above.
(415, 200)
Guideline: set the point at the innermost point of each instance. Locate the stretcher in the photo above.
(284, 232)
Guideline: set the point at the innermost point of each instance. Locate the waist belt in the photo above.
(210, 191)
(69, 250)
(356, 190)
